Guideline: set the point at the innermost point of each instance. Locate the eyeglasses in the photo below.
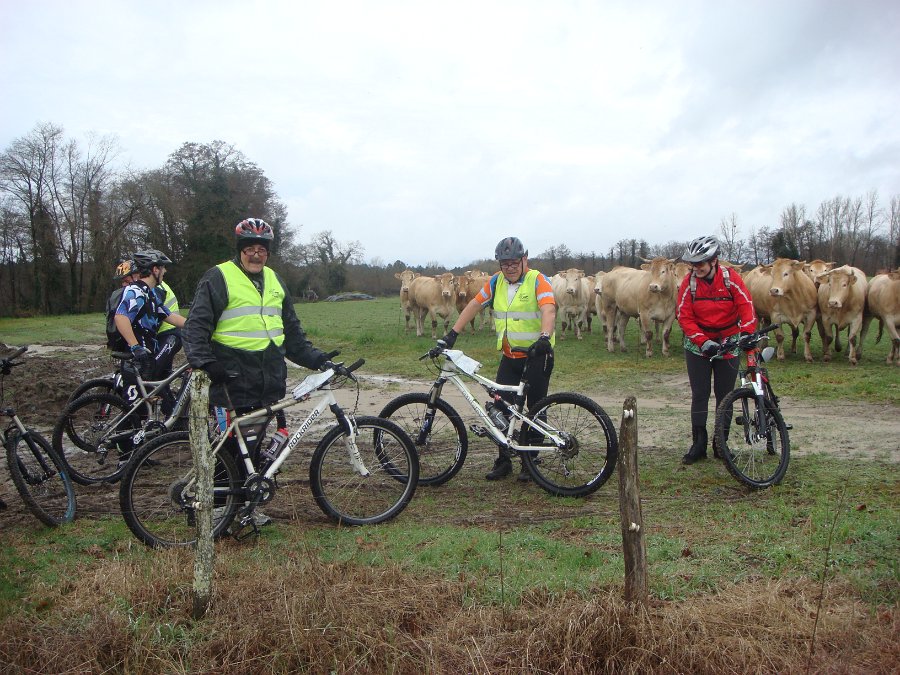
(510, 264)
(260, 251)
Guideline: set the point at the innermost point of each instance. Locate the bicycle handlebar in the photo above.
(7, 362)
(746, 341)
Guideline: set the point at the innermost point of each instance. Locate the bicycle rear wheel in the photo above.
(372, 490)
(94, 437)
(591, 447)
(436, 430)
(97, 385)
(158, 491)
(758, 458)
(41, 478)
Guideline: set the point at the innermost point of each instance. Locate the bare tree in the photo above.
(733, 247)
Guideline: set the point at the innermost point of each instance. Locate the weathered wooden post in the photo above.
(633, 545)
(203, 462)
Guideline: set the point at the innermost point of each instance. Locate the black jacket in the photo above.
(261, 376)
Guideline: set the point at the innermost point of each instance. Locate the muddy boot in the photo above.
(524, 474)
(502, 468)
(697, 450)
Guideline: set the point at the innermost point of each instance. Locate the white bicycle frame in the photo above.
(310, 386)
(456, 363)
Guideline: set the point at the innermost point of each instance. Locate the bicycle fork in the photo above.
(353, 454)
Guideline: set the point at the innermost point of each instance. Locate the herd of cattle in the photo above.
(798, 293)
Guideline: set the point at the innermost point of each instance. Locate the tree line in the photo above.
(69, 216)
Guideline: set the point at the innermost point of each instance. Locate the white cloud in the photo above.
(429, 130)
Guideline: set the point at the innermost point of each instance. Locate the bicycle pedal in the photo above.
(479, 431)
(246, 528)
(788, 426)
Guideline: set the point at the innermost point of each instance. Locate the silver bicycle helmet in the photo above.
(701, 249)
(509, 249)
(146, 260)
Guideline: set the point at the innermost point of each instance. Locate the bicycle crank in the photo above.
(260, 489)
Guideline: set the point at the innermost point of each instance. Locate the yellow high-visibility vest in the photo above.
(519, 320)
(250, 320)
(172, 303)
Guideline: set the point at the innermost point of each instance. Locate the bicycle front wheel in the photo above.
(158, 492)
(368, 482)
(41, 478)
(590, 451)
(436, 430)
(93, 436)
(758, 458)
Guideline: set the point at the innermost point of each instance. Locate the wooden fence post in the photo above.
(633, 545)
(203, 463)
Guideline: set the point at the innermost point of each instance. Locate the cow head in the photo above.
(405, 277)
(840, 283)
(662, 274)
(448, 284)
(573, 280)
(462, 286)
(783, 270)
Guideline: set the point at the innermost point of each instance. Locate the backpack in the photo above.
(726, 277)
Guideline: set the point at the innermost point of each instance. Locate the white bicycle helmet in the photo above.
(701, 249)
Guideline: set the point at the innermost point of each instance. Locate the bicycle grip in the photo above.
(17, 353)
(355, 365)
(767, 329)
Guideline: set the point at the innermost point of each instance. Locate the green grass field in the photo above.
(374, 330)
(832, 521)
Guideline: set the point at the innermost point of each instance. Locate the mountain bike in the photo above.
(96, 433)
(566, 441)
(38, 473)
(363, 471)
(750, 432)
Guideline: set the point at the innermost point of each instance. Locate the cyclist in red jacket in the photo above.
(713, 304)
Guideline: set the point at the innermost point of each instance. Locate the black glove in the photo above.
(540, 347)
(710, 348)
(448, 340)
(142, 356)
(216, 371)
(744, 340)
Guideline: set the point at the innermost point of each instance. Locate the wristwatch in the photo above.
(546, 335)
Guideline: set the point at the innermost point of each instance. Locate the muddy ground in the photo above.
(40, 388)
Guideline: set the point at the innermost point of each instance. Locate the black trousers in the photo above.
(703, 375)
(538, 376)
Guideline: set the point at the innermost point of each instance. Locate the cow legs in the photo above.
(420, 322)
(647, 331)
(807, 335)
(826, 343)
(779, 338)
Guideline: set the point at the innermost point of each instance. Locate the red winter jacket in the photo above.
(716, 310)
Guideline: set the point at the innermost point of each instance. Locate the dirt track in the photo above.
(42, 386)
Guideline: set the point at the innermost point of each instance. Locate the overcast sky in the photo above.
(429, 130)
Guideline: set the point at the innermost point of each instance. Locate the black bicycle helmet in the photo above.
(701, 249)
(509, 249)
(146, 260)
(253, 231)
(124, 268)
